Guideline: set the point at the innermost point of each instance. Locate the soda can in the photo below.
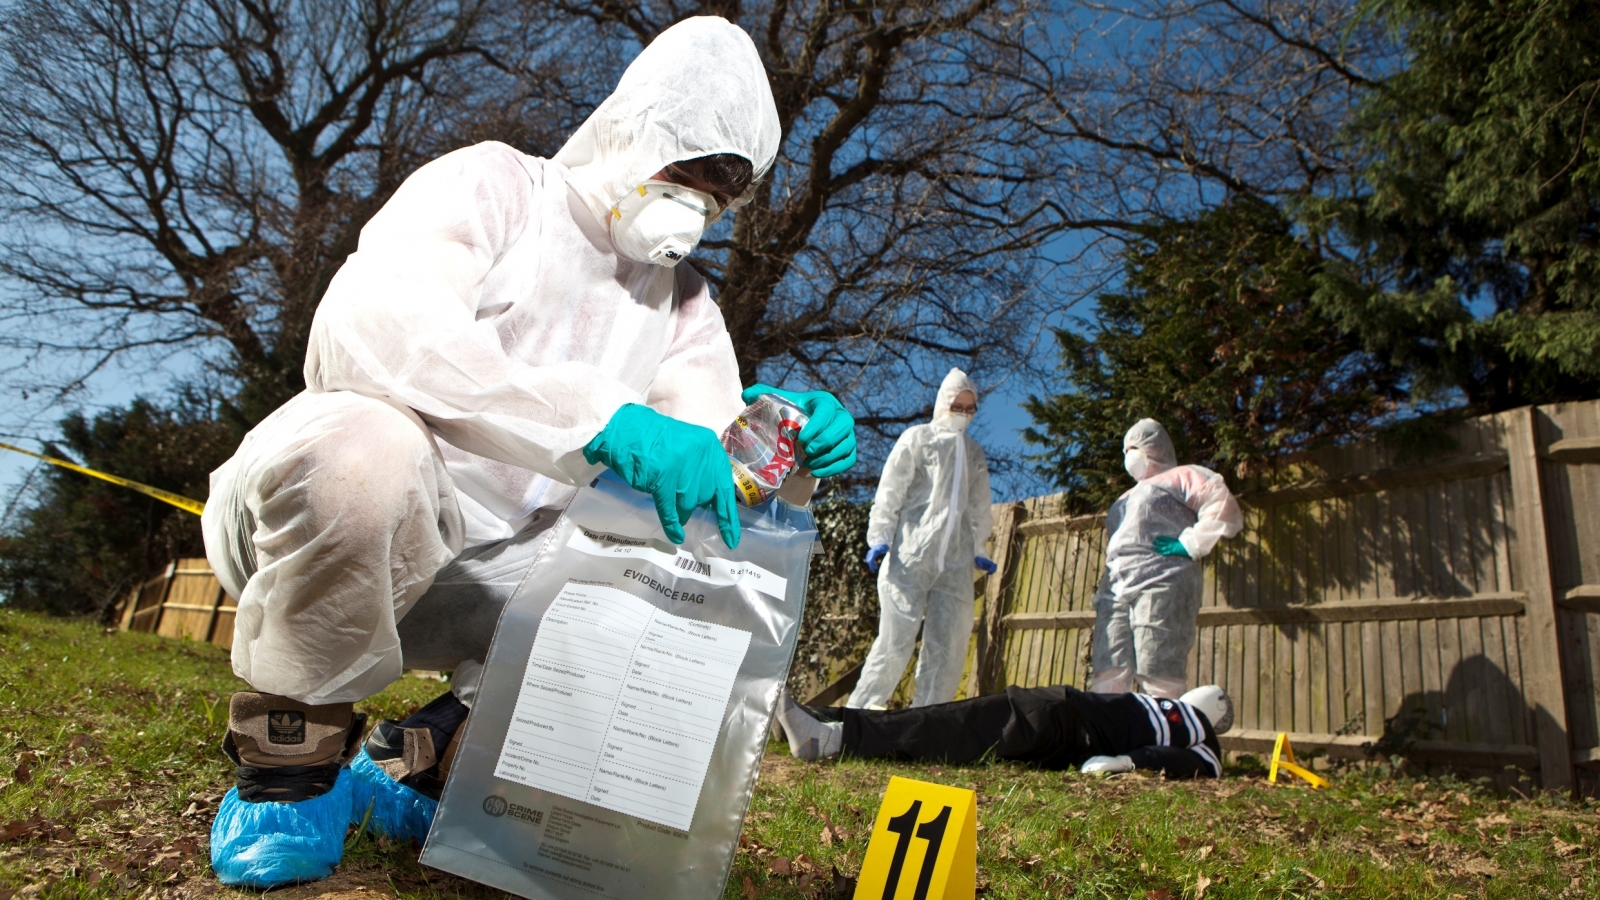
(762, 446)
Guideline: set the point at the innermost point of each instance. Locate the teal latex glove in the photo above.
(1169, 546)
(828, 442)
(682, 466)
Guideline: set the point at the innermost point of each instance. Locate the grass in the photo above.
(110, 772)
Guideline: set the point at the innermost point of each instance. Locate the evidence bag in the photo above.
(621, 719)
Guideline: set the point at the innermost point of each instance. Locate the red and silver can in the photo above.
(762, 444)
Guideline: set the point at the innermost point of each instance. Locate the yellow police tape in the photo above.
(178, 500)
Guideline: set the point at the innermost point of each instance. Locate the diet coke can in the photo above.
(761, 444)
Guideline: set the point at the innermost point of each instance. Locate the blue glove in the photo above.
(1169, 546)
(682, 466)
(986, 564)
(829, 439)
(875, 556)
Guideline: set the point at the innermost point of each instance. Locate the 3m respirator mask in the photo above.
(1136, 463)
(660, 222)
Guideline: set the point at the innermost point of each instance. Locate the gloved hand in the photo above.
(1169, 546)
(875, 556)
(828, 441)
(986, 564)
(682, 466)
(1107, 765)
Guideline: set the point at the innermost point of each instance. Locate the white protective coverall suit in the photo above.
(932, 509)
(485, 330)
(1146, 605)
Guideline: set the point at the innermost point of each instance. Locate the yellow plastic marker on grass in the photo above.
(178, 500)
(1283, 758)
(924, 845)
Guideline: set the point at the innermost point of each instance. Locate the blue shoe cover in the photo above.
(398, 812)
(266, 845)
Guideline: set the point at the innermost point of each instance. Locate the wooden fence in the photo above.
(1446, 609)
(185, 601)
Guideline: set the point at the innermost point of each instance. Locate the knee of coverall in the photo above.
(353, 514)
(902, 589)
(900, 614)
(1113, 638)
(378, 475)
(946, 635)
(324, 458)
(949, 612)
(1162, 619)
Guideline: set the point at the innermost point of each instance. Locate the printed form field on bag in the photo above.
(621, 704)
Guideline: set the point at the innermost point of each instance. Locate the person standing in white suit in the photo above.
(930, 519)
(1149, 597)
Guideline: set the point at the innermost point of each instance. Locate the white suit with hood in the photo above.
(484, 331)
(932, 510)
(1147, 604)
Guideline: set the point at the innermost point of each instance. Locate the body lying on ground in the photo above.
(1057, 727)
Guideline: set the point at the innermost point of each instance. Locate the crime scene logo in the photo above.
(286, 726)
(497, 806)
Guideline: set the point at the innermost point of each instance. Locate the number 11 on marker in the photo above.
(947, 866)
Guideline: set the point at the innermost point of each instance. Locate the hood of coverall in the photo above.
(1148, 435)
(698, 89)
(952, 386)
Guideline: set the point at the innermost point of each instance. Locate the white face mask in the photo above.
(953, 422)
(660, 222)
(1137, 464)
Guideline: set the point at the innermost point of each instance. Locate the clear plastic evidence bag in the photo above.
(619, 727)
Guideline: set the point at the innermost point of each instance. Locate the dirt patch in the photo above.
(781, 768)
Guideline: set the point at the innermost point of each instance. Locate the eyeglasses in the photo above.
(692, 180)
(964, 410)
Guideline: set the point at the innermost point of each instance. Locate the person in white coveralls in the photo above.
(1149, 596)
(930, 519)
(508, 326)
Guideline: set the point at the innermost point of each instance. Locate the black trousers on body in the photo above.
(1037, 726)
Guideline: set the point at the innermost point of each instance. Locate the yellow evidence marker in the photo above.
(924, 845)
(1283, 758)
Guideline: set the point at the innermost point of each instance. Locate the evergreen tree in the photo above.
(1214, 334)
(1476, 230)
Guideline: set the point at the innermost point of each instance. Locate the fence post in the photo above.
(1544, 685)
(991, 632)
(130, 605)
(170, 577)
(216, 610)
